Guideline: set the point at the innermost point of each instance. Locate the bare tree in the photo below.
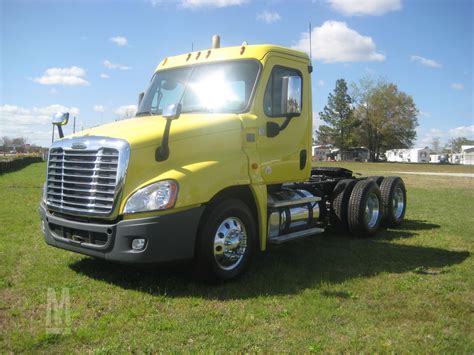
(435, 145)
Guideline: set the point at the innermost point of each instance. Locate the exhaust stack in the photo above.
(216, 41)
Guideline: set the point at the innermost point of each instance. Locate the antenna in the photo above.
(310, 30)
(192, 46)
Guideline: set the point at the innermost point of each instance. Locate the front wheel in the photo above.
(226, 242)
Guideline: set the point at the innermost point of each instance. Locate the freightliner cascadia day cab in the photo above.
(214, 167)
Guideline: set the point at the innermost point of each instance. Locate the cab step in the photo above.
(295, 235)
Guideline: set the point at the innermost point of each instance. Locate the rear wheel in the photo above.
(340, 202)
(394, 197)
(377, 179)
(226, 242)
(365, 209)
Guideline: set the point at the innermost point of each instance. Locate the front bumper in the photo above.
(168, 237)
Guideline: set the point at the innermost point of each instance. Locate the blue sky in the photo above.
(94, 57)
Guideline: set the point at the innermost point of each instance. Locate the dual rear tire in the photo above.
(361, 206)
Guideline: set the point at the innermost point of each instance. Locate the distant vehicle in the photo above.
(444, 159)
(382, 157)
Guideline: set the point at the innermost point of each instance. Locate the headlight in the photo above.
(158, 196)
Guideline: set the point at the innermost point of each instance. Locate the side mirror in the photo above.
(60, 119)
(172, 112)
(291, 95)
(140, 98)
(273, 129)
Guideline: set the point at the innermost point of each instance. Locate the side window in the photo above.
(273, 101)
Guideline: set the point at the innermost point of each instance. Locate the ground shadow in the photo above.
(285, 269)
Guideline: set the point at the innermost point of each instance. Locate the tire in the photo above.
(340, 202)
(394, 200)
(377, 179)
(365, 209)
(228, 221)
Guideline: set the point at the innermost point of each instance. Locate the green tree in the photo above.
(338, 114)
(387, 116)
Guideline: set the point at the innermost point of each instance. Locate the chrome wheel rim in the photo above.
(372, 210)
(398, 203)
(230, 243)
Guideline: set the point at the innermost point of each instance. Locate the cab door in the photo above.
(284, 118)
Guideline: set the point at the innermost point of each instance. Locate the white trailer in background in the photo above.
(455, 158)
(415, 155)
(467, 154)
(435, 158)
(321, 152)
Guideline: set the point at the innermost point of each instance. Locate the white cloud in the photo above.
(126, 111)
(104, 76)
(425, 61)
(335, 42)
(32, 123)
(365, 7)
(317, 121)
(321, 82)
(426, 139)
(99, 108)
(195, 4)
(154, 3)
(457, 86)
(108, 64)
(424, 114)
(53, 91)
(462, 131)
(268, 17)
(119, 40)
(63, 76)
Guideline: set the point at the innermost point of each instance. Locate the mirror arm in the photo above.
(60, 130)
(279, 128)
(163, 152)
(285, 124)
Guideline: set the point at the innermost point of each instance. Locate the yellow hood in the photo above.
(148, 130)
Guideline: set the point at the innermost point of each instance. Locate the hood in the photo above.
(148, 130)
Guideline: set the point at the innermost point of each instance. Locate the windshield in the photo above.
(218, 87)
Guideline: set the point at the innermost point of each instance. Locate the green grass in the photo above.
(408, 290)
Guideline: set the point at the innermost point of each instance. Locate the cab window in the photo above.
(273, 101)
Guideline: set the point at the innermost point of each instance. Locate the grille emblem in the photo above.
(79, 145)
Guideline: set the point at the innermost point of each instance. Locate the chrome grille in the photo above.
(84, 181)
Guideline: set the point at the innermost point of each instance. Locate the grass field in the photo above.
(408, 290)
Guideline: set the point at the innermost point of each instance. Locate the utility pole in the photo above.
(74, 125)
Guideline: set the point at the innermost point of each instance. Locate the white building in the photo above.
(321, 152)
(435, 158)
(467, 154)
(416, 155)
(455, 158)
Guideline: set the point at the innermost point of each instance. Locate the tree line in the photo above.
(17, 145)
(374, 114)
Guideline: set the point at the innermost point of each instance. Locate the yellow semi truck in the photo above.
(215, 165)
